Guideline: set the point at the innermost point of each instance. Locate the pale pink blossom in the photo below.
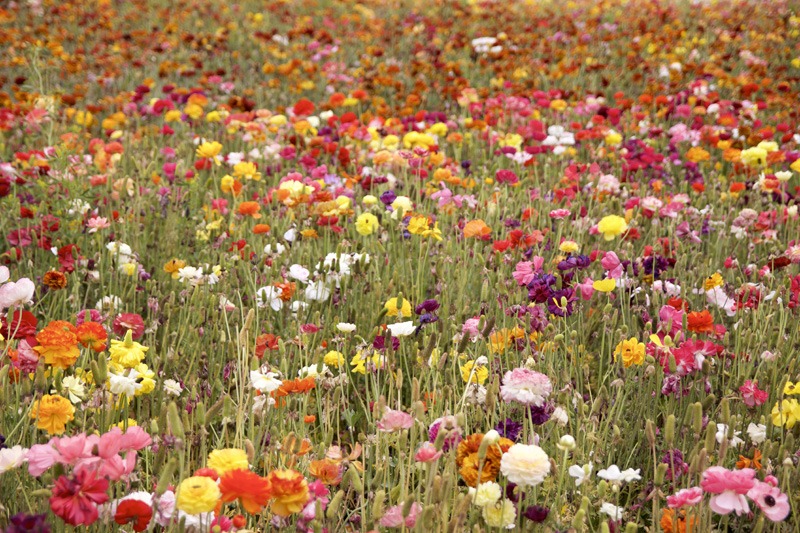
(772, 502)
(395, 421)
(685, 497)
(526, 387)
(427, 453)
(729, 488)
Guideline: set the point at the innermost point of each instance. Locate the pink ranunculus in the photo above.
(470, 327)
(524, 273)
(586, 288)
(73, 449)
(427, 453)
(129, 321)
(16, 293)
(395, 421)
(685, 497)
(772, 502)
(526, 387)
(558, 214)
(729, 487)
(752, 396)
(670, 321)
(612, 264)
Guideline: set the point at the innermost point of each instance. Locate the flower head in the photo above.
(52, 412)
(197, 494)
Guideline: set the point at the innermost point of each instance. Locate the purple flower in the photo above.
(28, 523)
(509, 429)
(536, 513)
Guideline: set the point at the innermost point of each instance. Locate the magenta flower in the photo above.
(729, 487)
(772, 502)
(392, 421)
(612, 264)
(685, 497)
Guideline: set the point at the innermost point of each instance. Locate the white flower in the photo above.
(172, 387)
(581, 473)
(312, 370)
(106, 304)
(299, 272)
(298, 306)
(317, 291)
(502, 514)
(122, 384)
(191, 275)
(402, 329)
(613, 474)
(269, 296)
(559, 416)
(265, 383)
(722, 434)
(757, 433)
(16, 293)
(525, 465)
(346, 327)
(612, 510)
(290, 235)
(74, 388)
(11, 458)
(276, 249)
(488, 493)
(4, 274)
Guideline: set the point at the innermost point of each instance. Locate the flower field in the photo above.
(331, 266)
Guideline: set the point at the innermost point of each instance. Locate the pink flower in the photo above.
(685, 497)
(395, 421)
(729, 487)
(75, 499)
(129, 321)
(670, 321)
(72, 449)
(752, 396)
(470, 327)
(97, 223)
(772, 502)
(134, 438)
(394, 516)
(526, 387)
(16, 293)
(427, 453)
(586, 288)
(558, 214)
(41, 457)
(612, 263)
(525, 271)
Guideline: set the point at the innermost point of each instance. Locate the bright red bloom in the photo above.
(129, 321)
(75, 499)
(23, 325)
(134, 512)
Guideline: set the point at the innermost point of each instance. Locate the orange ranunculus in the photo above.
(289, 492)
(55, 280)
(58, 344)
(261, 228)
(92, 335)
(700, 322)
(287, 290)
(326, 470)
(467, 459)
(250, 209)
(476, 228)
(673, 521)
(252, 490)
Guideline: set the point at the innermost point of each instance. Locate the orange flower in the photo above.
(289, 490)
(249, 209)
(252, 490)
(700, 322)
(261, 228)
(58, 344)
(287, 290)
(55, 280)
(467, 459)
(746, 462)
(309, 419)
(326, 470)
(52, 413)
(476, 228)
(677, 522)
(92, 335)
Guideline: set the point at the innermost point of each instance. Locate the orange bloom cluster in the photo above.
(289, 492)
(92, 335)
(468, 461)
(58, 344)
(252, 490)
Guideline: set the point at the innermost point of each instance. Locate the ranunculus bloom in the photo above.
(526, 387)
(525, 465)
(289, 492)
(75, 499)
(392, 421)
(52, 413)
(685, 497)
(129, 321)
(58, 344)
(16, 293)
(252, 490)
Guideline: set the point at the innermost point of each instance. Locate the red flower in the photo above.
(22, 325)
(129, 321)
(134, 512)
(75, 499)
(701, 322)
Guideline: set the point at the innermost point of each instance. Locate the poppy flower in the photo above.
(250, 209)
(134, 512)
(700, 322)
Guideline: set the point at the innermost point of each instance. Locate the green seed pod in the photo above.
(174, 419)
(604, 527)
(407, 507)
(650, 432)
(669, 430)
(631, 527)
(578, 520)
(711, 438)
(726, 411)
(377, 505)
(602, 488)
(333, 507)
(166, 476)
(709, 401)
(661, 471)
(697, 418)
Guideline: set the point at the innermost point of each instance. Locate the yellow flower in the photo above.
(197, 494)
(127, 352)
(145, 378)
(400, 308)
(193, 111)
(52, 413)
(558, 105)
(367, 224)
(613, 138)
(569, 247)
(246, 170)
(228, 459)
(753, 157)
(611, 226)
(786, 413)
(209, 149)
(172, 266)
(791, 389)
(418, 225)
(173, 115)
(605, 285)
(480, 375)
(714, 280)
(333, 358)
(632, 352)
